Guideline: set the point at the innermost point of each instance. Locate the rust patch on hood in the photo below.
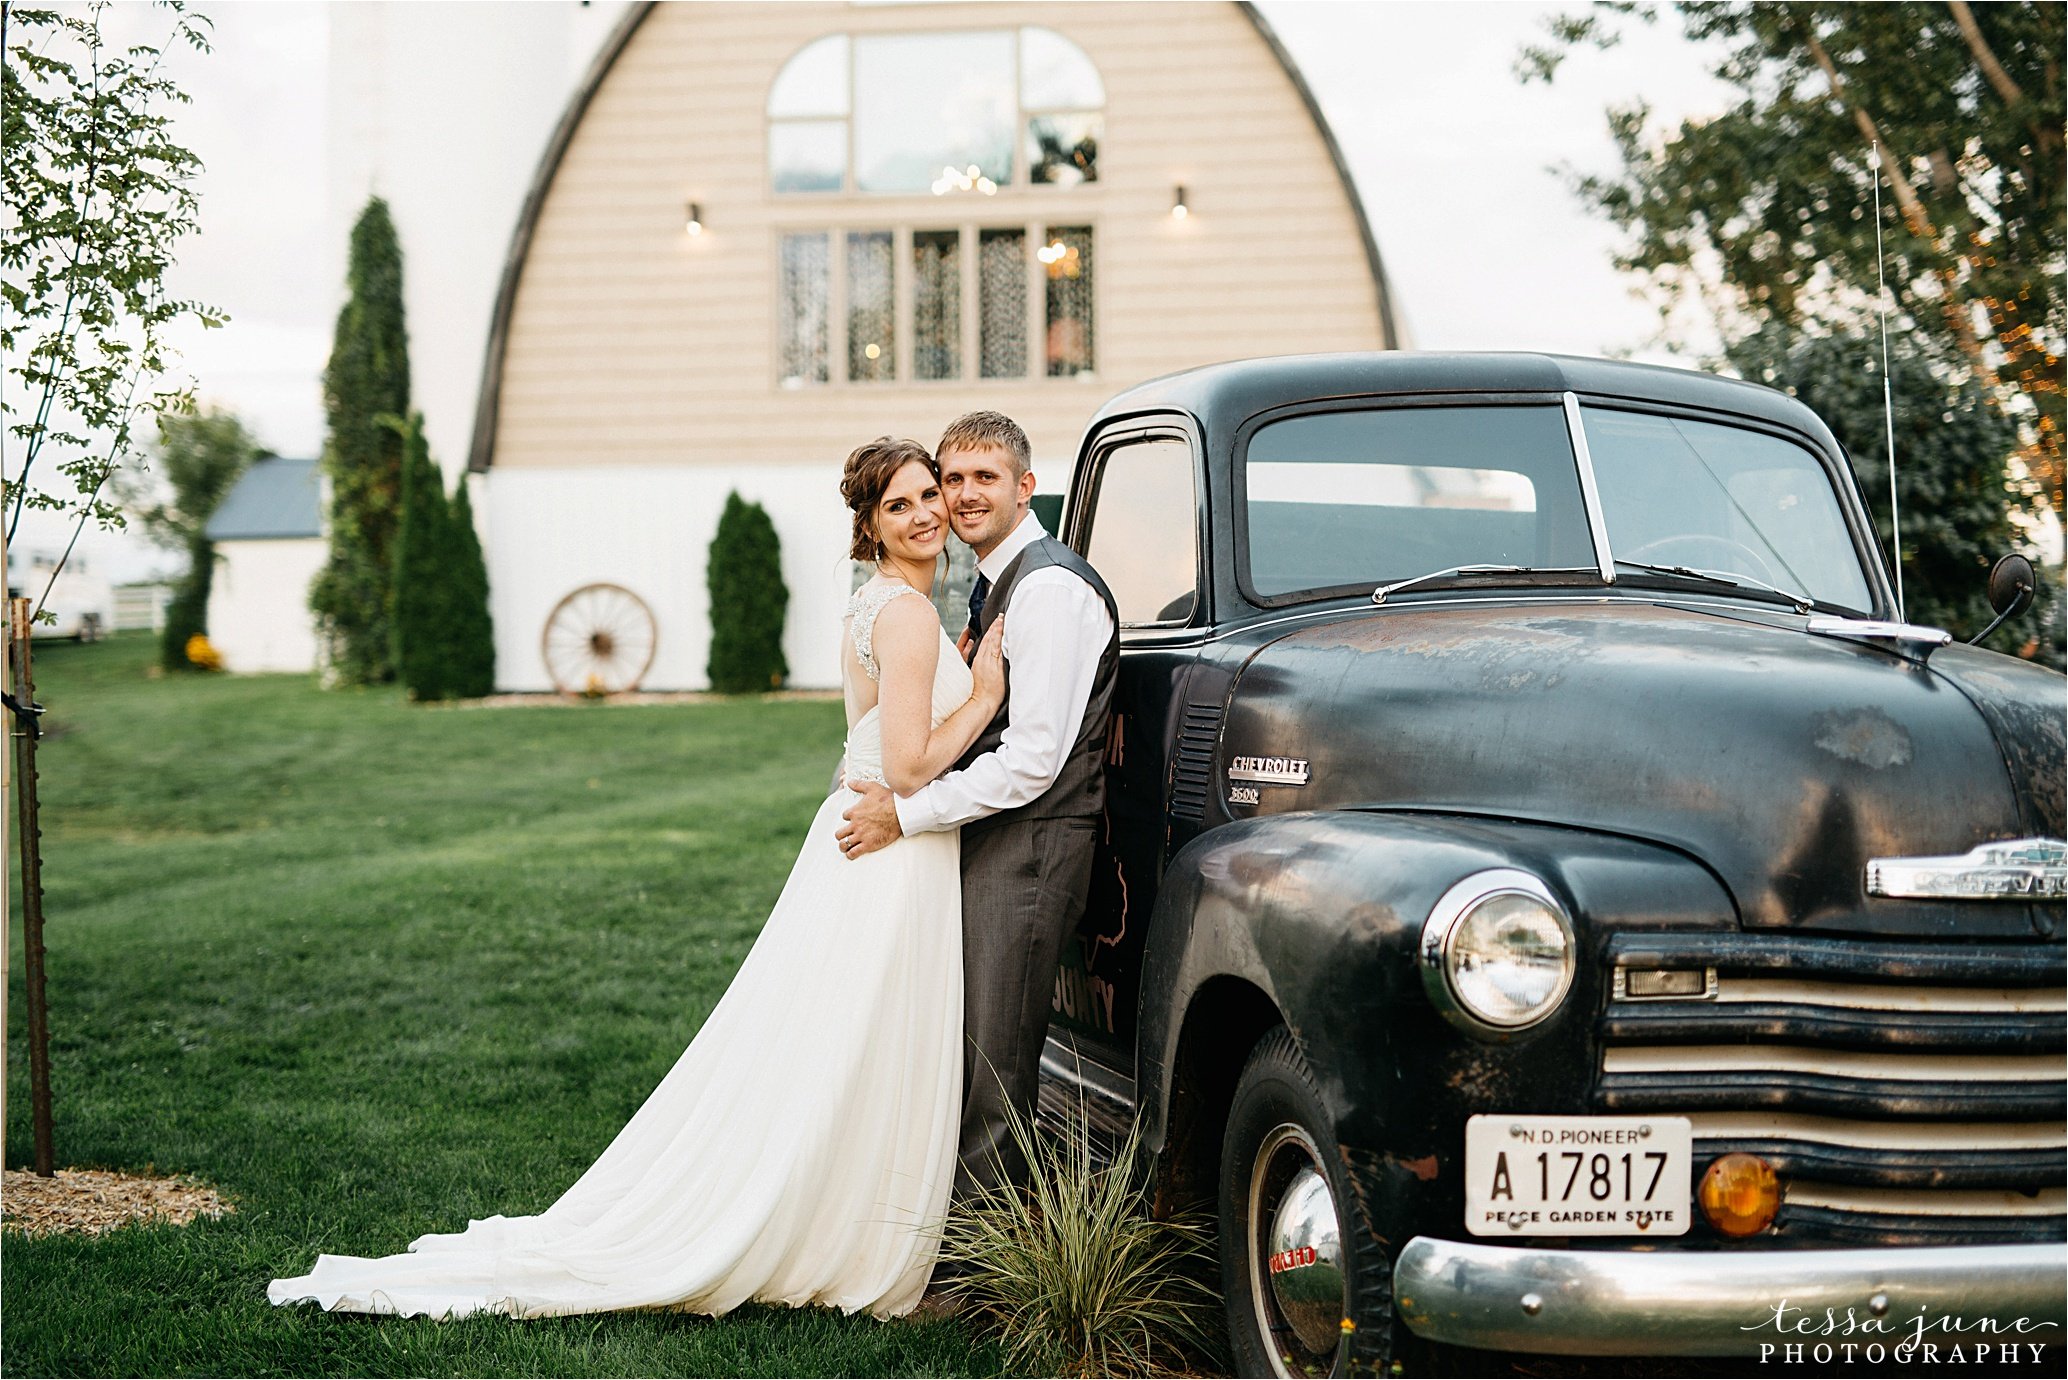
(1866, 736)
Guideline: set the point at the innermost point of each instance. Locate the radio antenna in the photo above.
(1888, 403)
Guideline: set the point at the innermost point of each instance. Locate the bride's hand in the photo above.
(988, 667)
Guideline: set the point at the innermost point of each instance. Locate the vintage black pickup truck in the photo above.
(1551, 902)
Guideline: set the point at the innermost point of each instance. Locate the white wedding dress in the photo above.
(802, 1148)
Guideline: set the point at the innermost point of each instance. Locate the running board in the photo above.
(1074, 1078)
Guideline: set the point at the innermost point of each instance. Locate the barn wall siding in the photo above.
(650, 531)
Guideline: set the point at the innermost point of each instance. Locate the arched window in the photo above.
(902, 114)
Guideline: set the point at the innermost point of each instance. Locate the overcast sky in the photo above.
(1485, 246)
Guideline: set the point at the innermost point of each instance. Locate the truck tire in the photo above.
(1294, 1265)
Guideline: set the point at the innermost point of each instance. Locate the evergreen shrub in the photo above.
(365, 385)
(472, 669)
(748, 601)
(421, 628)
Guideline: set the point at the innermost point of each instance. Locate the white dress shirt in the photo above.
(1056, 628)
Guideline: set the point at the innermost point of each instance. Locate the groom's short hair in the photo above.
(973, 429)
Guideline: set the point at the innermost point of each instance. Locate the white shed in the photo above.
(268, 536)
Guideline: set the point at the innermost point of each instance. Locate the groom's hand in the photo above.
(872, 821)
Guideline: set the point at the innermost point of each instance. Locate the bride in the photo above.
(802, 1148)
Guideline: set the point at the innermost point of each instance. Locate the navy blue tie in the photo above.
(978, 592)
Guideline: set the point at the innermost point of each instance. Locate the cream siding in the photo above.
(633, 343)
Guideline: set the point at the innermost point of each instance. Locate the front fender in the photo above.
(1322, 912)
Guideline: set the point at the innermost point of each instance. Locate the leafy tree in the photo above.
(1950, 451)
(421, 625)
(1766, 211)
(199, 458)
(186, 612)
(748, 601)
(473, 643)
(365, 393)
(98, 196)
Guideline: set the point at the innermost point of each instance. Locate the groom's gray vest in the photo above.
(1080, 788)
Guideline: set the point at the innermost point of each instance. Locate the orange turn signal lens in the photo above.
(1740, 1194)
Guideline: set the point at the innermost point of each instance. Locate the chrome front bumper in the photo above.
(1727, 1303)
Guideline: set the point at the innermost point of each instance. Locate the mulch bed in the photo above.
(88, 1202)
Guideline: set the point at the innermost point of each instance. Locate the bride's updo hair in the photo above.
(869, 471)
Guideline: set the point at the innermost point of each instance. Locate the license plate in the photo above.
(1578, 1175)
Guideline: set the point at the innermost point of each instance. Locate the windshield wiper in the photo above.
(1734, 579)
(1378, 596)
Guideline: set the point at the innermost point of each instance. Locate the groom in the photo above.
(1029, 791)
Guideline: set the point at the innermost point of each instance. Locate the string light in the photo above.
(969, 179)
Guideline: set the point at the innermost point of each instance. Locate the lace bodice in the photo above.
(951, 679)
(861, 614)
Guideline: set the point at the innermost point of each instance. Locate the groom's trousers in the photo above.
(1023, 888)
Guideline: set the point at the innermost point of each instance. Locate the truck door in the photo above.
(1136, 516)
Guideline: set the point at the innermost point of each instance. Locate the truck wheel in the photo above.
(1293, 1266)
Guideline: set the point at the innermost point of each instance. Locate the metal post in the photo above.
(32, 888)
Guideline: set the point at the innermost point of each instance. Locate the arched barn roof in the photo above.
(488, 400)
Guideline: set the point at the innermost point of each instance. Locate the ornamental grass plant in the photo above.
(1071, 1276)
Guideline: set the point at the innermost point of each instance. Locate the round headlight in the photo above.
(1497, 951)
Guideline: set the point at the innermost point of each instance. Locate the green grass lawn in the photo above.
(373, 969)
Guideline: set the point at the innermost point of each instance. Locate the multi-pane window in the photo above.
(971, 111)
(804, 298)
(1002, 303)
(1062, 95)
(871, 308)
(972, 301)
(1066, 265)
(936, 304)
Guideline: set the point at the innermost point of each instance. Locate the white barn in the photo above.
(761, 234)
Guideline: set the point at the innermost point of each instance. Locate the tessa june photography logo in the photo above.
(1926, 1338)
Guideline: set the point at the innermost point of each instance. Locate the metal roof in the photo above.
(276, 498)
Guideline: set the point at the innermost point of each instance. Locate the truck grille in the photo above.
(1904, 1091)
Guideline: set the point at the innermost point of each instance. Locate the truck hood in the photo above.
(1783, 761)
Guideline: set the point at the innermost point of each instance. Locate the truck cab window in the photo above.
(1144, 530)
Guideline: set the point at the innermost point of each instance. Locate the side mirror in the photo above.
(2011, 587)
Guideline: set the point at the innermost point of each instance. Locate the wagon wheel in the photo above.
(599, 640)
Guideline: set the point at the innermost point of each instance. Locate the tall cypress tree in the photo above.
(748, 601)
(365, 387)
(473, 630)
(422, 624)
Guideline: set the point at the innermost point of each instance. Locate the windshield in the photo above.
(1721, 498)
(1355, 499)
(1363, 497)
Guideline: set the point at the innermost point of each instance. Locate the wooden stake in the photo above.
(32, 888)
(6, 780)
